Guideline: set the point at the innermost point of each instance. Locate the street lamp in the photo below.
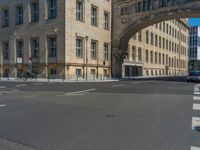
(86, 63)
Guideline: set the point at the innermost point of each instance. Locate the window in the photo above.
(93, 50)
(5, 50)
(5, 20)
(35, 48)
(19, 46)
(106, 20)
(79, 10)
(93, 72)
(152, 39)
(139, 54)
(53, 71)
(147, 56)
(140, 36)
(147, 37)
(34, 11)
(94, 16)
(133, 53)
(106, 52)
(156, 57)
(156, 40)
(78, 72)
(151, 57)
(52, 46)
(79, 47)
(19, 15)
(52, 9)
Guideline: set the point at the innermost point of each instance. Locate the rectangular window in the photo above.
(78, 72)
(139, 54)
(106, 20)
(106, 52)
(19, 14)
(5, 19)
(79, 47)
(151, 57)
(93, 50)
(94, 16)
(5, 50)
(79, 10)
(19, 46)
(147, 56)
(35, 47)
(152, 39)
(147, 37)
(34, 11)
(52, 9)
(156, 40)
(52, 46)
(133, 53)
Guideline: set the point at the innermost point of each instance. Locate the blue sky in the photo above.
(194, 21)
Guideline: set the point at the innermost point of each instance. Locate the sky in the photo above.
(194, 21)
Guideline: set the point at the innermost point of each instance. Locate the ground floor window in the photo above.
(78, 72)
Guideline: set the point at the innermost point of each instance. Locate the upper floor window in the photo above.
(5, 50)
(35, 47)
(106, 20)
(79, 10)
(52, 9)
(52, 46)
(94, 16)
(19, 46)
(34, 11)
(79, 47)
(93, 50)
(5, 19)
(19, 14)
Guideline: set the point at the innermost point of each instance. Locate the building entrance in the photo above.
(133, 71)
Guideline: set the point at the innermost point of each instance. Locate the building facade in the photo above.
(158, 50)
(58, 38)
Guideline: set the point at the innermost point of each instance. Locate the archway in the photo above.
(127, 21)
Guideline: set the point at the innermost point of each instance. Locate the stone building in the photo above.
(58, 38)
(158, 50)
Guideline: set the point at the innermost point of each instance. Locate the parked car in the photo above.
(194, 76)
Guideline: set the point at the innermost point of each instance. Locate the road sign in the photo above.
(19, 60)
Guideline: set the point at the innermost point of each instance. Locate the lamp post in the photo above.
(86, 63)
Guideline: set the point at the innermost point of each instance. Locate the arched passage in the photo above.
(127, 25)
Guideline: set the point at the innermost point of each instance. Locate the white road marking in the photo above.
(195, 122)
(196, 106)
(30, 96)
(137, 83)
(196, 93)
(196, 98)
(198, 85)
(196, 89)
(20, 85)
(79, 92)
(3, 105)
(118, 85)
(2, 87)
(195, 148)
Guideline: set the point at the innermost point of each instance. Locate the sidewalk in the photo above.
(56, 80)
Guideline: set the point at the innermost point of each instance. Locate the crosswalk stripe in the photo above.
(20, 85)
(196, 93)
(195, 148)
(195, 122)
(196, 89)
(196, 106)
(2, 87)
(196, 98)
(3, 105)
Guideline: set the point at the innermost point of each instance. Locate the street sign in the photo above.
(19, 60)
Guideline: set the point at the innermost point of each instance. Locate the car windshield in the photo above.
(195, 73)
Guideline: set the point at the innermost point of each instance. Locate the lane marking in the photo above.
(118, 85)
(30, 96)
(196, 93)
(195, 148)
(2, 87)
(137, 83)
(20, 85)
(3, 105)
(79, 92)
(196, 98)
(195, 122)
(196, 106)
(196, 89)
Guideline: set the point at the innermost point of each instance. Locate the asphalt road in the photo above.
(125, 115)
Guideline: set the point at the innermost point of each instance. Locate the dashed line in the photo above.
(118, 85)
(30, 96)
(196, 93)
(2, 87)
(196, 106)
(195, 148)
(20, 85)
(3, 105)
(79, 92)
(196, 98)
(38, 84)
(134, 83)
(195, 122)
